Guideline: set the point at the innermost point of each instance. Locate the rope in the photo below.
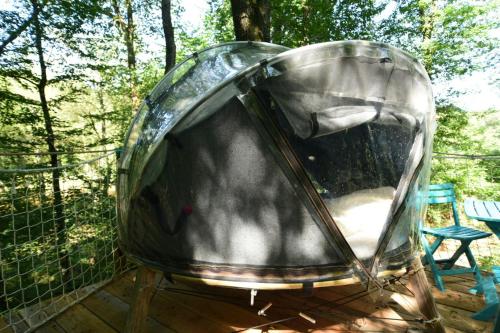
(432, 321)
(354, 296)
(415, 271)
(67, 166)
(60, 152)
(350, 298)
(440, 154)
(234, 299)
(465, 156)
(418, 320)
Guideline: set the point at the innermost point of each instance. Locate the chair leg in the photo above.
(436, 244)
(496, 274)
(463, 247)
(491, 299)
(489, 312)
(432, 247)
(434, 267)
(496, 325)
(478, 289)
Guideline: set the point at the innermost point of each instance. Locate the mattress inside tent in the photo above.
(361, 216)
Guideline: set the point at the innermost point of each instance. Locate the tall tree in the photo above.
(168, 32)
(60, 227)
(427, 10)
(251, 19)
(126, 27)
(36, 60)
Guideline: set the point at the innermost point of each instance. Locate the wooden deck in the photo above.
(185, 308)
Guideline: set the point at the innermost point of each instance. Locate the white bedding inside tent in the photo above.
(361, 216)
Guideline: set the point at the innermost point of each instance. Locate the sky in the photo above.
(480, 91)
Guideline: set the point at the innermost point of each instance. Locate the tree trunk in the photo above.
(251, 19)
(128, 31)
(306, 10)
(427, 12)
(59, 218)
(130, 38)
(103, 141)
(168, 31)
(129, 35)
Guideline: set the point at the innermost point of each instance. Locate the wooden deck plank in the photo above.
(178, 309)
(460, 319)
(280, 309)
(4, 327)
(365, 306)
(113, 311)
(222, 302)
(455, 329)
(456, 295)
(241, 315)
(348, 316)
(78, 319)
(457, 299)
(51, 327)
(170, 314)
(456, 318)
(285, 306)
(461, 282)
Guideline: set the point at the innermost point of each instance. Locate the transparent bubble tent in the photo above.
(254, 166)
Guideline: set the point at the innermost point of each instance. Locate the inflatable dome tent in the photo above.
(254, 166)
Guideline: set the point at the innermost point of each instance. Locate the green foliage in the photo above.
(462, 37)
(451, 38)
(29, 262)
(466, 133)
(219, 21)
(297, 23)
(451, 130)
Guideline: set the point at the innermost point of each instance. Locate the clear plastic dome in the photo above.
(262, 167)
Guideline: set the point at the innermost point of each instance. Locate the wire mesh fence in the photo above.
(57, 235)
(474, 176)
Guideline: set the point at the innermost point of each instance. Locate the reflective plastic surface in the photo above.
(175, 95)
(210, 183)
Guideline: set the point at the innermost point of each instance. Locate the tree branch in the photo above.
(16, 33)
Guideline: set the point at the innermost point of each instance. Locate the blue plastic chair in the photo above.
(445, 194)
(492, 304)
